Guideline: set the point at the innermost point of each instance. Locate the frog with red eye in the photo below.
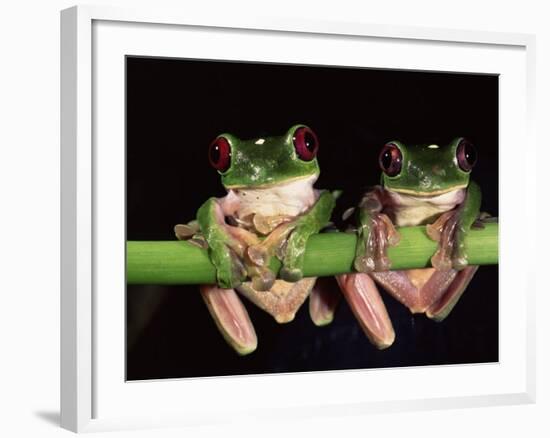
(270, 210)
(420, 185)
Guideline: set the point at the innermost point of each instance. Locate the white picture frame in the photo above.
(93, 397)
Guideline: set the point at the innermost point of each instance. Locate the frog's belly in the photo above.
(412, 210)
(290, 199)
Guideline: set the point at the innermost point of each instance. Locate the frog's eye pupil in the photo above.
(219, 154)
(390, 160)
(386, 159)
(310, 142)
(466, 155)
(215, 154)
(305, 143)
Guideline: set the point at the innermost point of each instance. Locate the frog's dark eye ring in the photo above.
(390, 160)
(306, 143)
(219, 154)
(466, 155)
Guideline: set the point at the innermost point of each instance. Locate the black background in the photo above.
(175, 108)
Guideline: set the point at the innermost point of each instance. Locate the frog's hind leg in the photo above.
(428, 290)
(231, 318)
(283, 300)
(323, 300)
(366, 304)
(442, 307)
(417, 289)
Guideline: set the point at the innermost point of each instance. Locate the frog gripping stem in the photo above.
(306, 225)
(376, 232)
(451, 229)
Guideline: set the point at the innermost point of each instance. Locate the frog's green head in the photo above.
(427, 170)
(266, 161)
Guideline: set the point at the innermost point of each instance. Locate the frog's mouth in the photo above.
(428, 194)
(308, 179)
(289, 198)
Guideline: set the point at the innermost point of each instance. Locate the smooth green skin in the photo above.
(427, 172)
(261, 166)
(273, 162)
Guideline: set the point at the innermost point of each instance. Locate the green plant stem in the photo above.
(178, 262)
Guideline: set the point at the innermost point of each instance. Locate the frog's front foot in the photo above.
(450, 232)
(230, 269)
(293, 250)
(262, 278)
(287, 242)
(259, 254)
(291, 274)
(225, 253)
(374, 237)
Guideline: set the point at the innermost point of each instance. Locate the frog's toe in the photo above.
(364, 264)
(323, 300)
(263, 280)
(451, 253)
(460, 262)
(459, 258)
(258, 254)
(371, 253)
(441, 262)
(230, 271)
(291, 274)
(186, 231)
(231, 318)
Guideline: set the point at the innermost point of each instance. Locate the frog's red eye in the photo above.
(391, 160)
(305, 143)
(219, 154)
(466, 155)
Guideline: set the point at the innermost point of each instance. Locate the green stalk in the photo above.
(178, 262)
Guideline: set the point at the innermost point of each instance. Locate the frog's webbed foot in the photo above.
(417, 289)
(293, 249)
(260, 253)
(287, 242)
(282, 300)
(366, 304)
(231, 318)
(376, 232)
(482, 219)
(441, 308)
(323, 300)
(428, 290)
(449, 231)
(371, 254)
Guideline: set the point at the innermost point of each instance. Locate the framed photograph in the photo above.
(163, 112)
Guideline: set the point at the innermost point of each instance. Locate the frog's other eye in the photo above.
(466, 155)
(390, 160)
(306, 143)
(219, 154)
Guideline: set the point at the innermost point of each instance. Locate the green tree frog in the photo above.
(270, 210)
(420, 185)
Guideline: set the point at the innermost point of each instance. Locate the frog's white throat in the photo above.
(410, 210)
(287, 199)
